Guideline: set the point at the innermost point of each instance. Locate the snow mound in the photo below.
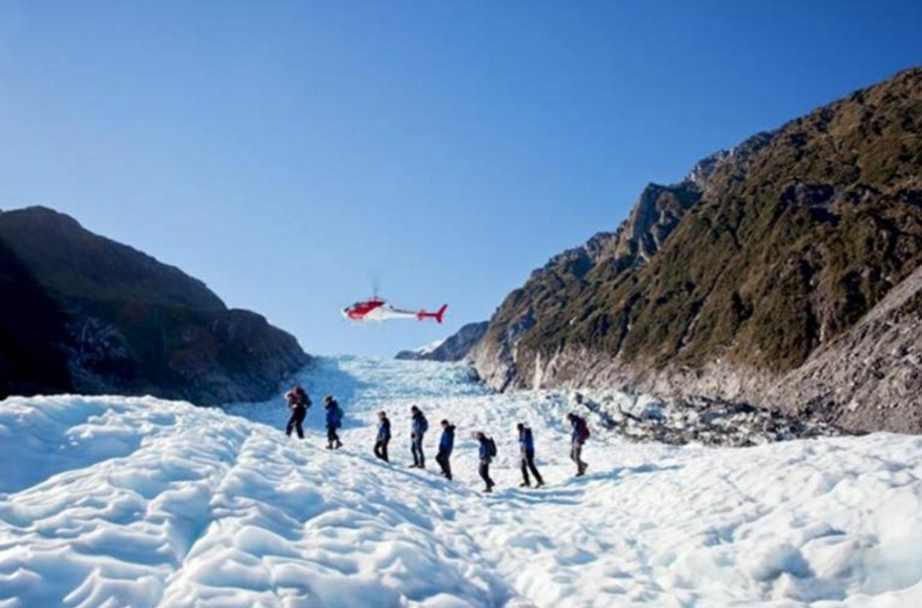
(210, 509)
(428, 348)
(113, 501)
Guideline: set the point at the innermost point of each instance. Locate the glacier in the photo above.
(116, 502)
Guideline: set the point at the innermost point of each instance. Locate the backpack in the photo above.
(527, 440)
(423, 423)
(339, 415)
(582, 429)
(491, 447)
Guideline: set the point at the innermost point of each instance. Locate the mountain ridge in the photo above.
(726, 282)
(121, 321)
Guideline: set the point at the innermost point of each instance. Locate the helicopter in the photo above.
(377, 309)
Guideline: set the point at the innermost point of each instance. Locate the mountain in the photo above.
(762, 277)
(94, 316)
(454, 348)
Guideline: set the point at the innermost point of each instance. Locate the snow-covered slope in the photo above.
(138, 502)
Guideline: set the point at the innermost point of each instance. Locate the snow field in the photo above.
(113, 501)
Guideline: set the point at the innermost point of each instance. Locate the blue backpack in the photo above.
(339, 414)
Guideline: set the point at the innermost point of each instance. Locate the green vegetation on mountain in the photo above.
(764, 254)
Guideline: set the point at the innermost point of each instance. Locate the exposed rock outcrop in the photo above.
(870, 376)
(751, 280)
(101, 317)
(706, 421)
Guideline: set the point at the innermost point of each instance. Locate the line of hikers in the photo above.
(299, 402)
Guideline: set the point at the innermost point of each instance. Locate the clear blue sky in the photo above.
(292, 154)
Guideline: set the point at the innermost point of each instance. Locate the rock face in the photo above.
(869, 376)
(454, 348)
(101, 317)
(31, 329)
(762, 277)
(709, 422)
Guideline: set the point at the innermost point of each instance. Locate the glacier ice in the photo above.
(116, 501)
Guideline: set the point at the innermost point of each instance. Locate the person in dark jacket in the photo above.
(527, 450)
(334, 421)
(578, 435)
(446, 445)
(487, 452)
(384, 436)
(418, 427)
(298, 402)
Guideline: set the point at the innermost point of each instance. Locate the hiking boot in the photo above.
(525, 484)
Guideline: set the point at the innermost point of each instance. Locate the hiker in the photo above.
(578, 436)
(487, 453)
(384, 436)
(527, 448)
(446, 445)
(334, 421)
(419, 426)
(298, 402)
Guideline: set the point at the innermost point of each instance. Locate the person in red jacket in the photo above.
(298, 402)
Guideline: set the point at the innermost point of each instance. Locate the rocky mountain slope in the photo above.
(762, 277)
(90, 315)
(454, 348)
(874, 369)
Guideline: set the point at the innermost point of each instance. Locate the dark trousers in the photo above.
(297, 417)
(576, 455)
(443, 459)
(381, 449)
(332, 437)
(484, 471)
(528, 464)
(416, 446)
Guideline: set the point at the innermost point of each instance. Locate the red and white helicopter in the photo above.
(376, 309)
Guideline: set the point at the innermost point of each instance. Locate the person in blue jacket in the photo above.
(527, 450)
(446, 445)
(487, 453)
(334, 421)
(384, 436)
(418, 428)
